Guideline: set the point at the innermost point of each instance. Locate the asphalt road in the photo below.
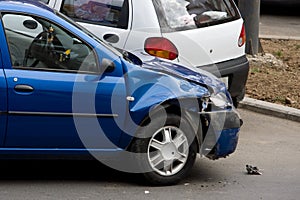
(280, 21)
(271, 144)
(282, 27)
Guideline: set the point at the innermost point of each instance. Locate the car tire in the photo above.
(160, 156)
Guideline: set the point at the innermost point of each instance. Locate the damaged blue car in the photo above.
(65, 94)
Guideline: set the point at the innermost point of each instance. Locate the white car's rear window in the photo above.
(190, 14)
(113, 13)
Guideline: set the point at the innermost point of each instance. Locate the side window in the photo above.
(113, 13)
(35, 43)
(191, 14)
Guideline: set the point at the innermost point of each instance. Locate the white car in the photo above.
(206, 34)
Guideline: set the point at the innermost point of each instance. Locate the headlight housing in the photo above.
(220, 100)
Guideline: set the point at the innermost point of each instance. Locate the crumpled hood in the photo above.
(189, 73)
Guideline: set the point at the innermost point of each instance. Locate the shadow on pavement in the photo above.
(93, 171)
(280, 9)
(64, 171)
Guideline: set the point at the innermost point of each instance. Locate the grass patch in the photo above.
(278, 53)
(255, 70)
(280, 99)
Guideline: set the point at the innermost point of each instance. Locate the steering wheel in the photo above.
(39, 48)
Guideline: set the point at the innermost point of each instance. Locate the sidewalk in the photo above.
(270, 109)
(277, 27)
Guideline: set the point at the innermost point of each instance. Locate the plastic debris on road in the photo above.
(253, 170)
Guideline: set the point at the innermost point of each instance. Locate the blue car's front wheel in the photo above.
(166, 149)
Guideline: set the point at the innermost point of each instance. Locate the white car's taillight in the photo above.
(242, 37)
(161, 47)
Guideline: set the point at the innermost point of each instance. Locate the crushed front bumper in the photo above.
(221, 134)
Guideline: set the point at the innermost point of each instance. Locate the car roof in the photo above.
(24, 6)
(41, 9)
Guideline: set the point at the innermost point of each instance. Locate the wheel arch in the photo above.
(172, 106)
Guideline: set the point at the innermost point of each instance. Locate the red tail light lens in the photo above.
(242, 38)
(161, 47)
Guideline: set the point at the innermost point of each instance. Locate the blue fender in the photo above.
(148, 89)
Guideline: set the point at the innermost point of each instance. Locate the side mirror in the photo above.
(107, 65)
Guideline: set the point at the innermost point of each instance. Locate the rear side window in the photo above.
(190, 14)
(113, 13)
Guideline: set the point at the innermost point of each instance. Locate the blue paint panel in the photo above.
(3, 87)
(53, 99)
(227, 142)
(3, 105)
(41, 132)
(59, 132)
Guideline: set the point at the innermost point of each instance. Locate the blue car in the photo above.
(65, 94)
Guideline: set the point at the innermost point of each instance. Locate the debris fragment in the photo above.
(147, 192)
(186, 184)
(289, 100)
(253, 170)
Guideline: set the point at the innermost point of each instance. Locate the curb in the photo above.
(270, 109)
(279, 37)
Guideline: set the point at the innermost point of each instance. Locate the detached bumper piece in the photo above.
(222, 134)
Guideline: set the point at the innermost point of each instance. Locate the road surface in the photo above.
(279, 21)
(270, 143)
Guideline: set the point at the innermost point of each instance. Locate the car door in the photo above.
(57, 98)
(3, 91)
(107, 19)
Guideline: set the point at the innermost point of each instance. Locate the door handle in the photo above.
(23, 88)
(111, 38)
